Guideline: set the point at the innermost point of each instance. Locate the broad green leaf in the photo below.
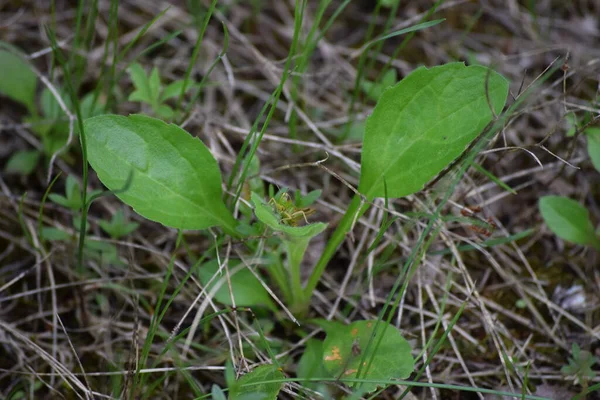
(424, 123)
(249, 386)
(311, 363)
(247, 290)
(593, 146)
(568, 219)
(346, 345)
(22, 162)
(265, 214)
(17, 79)
(174, 178)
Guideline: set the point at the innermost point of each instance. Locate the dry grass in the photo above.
(80, 332)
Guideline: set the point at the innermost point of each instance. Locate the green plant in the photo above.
(569, 220)
(22, 162)
(49, 121)
(171, 177)
(346, 353)
(118, 226)
(593, 146)
(417, 129)
(251, 387)
(375, 89)
(280, 216)
(580, 366)
(18, 79)
(150, 90)
(72, 197)
(246, 289)
(95, 249)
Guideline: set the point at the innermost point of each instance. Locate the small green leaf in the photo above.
(229, 373)
(424, 123)
(309, 199)
(72, 189)
(56, 122)
(580, 365)
(354, 133)
(311, 363)
(388, 3)
(103, 252)
(22, 162)
(173, 90)
(174, 178)
(91, 108)
(50, 106)
(164, 111)
(61, 200)
(54, 234)
(593, 146)
(568, 219)
(266, 215)
(254, 181)
(249, 386)
(142, 92)
(247, 290)
(521, 304)
(154, 86)
(571, 119)
(77, 223)
(118, 226)
(217, 393)
(375, 89)
(72, 198)
(17, 80)
(345, 344)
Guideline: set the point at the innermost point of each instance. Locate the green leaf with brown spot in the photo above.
(346, 346)
(251, 386)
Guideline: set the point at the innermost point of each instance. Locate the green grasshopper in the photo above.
(291, 215)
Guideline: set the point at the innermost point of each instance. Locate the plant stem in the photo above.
(295, 251)
(353, 212)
